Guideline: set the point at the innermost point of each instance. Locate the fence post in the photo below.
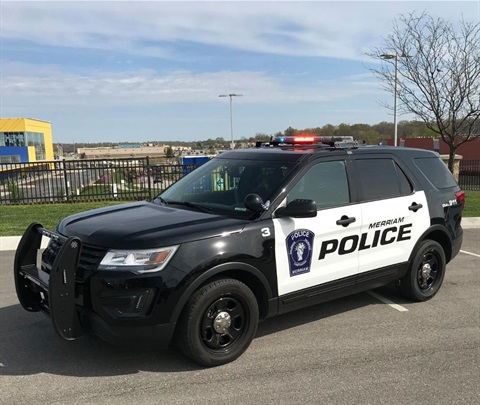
(149, 179)
(456, 165)
(65, 181)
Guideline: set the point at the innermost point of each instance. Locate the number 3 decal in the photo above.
(265, 232)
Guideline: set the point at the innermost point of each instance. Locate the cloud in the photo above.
(147, 28)
(24, 84)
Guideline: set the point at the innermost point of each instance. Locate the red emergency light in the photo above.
(304, 139)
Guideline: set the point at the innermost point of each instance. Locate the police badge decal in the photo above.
(299, 248)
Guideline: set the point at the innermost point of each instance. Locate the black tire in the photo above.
(426, 272)
(219, 323)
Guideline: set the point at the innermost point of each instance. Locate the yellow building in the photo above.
(24, 140)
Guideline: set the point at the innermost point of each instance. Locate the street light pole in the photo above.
(395, 56)
(232, 146)
(395, 127)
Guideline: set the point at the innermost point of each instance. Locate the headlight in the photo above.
(138, 261)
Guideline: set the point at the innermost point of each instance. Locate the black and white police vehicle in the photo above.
(249, 235)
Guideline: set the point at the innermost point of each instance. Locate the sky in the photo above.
(135, 71)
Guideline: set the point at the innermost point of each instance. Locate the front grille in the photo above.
(90, 258)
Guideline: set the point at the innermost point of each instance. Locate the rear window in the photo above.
(436, 171)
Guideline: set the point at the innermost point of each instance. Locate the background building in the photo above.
(469, 150)
(25, 140)
(132, 150)
(120, 151)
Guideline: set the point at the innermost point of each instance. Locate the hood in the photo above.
(144, 225)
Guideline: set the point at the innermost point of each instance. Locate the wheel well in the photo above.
(443, 240)
(251, 282)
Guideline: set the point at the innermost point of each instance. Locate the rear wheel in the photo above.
(426, 273)
(219, 322)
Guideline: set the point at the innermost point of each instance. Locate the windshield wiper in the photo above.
(162, 200)
(188, 204)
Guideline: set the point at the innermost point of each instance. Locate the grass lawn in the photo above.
(16, 218)
(472, 204)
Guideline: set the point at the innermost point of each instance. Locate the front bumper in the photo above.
(116, 315)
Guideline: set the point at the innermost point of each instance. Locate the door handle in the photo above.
(345, 221)
(415, 207)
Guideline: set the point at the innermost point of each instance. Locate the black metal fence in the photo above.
(111, 179)
(86, 180)
(469, 178)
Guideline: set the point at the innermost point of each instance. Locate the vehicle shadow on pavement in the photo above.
(313, 313)
(30, 345)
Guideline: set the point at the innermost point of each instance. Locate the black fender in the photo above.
(238, 267)
(437, 233)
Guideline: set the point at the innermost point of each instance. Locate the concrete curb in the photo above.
(11, 242)
(471, 223)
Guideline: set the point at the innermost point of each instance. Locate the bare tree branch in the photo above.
(438, 75)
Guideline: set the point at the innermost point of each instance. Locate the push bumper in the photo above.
(52, 293)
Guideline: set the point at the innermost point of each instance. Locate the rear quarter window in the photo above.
(436, 172)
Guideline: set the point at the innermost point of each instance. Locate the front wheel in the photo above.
(219, 323)
(426, 272)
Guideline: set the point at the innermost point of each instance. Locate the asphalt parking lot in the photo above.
(364, 349)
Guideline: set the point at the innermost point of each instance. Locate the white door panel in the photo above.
(390, 230)
(315, 255)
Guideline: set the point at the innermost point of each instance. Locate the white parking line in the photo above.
(387, 301)
(469, 253)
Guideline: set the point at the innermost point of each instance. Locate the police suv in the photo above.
(250, 234)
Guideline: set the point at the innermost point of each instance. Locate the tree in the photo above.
(438, 75)
(328, 130)
(384, 128)
(364, 132)
(169, 152)
(290, 131)
(315, 131)
(261, 137)
(220, 142)
(344, 130)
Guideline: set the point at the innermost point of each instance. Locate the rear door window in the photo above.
(381, 178)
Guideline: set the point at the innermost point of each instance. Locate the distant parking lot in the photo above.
(366, 349)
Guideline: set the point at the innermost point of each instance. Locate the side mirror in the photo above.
(254, 202)
(298, 209)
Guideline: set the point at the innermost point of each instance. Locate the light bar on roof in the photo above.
(304, 139)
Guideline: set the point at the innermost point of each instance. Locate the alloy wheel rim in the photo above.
(223, 324)
(428, 271)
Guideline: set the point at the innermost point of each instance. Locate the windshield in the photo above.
(221, 185)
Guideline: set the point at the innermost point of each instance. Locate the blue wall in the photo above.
(15, 150)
